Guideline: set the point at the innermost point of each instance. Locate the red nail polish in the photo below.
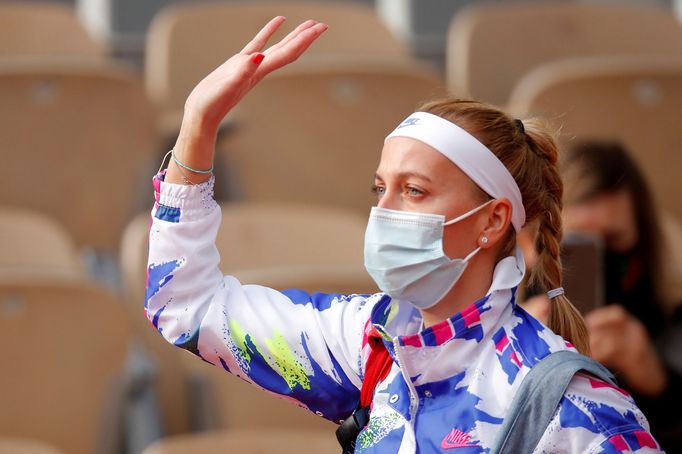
(258, 58)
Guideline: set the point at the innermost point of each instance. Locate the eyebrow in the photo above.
(405, 175)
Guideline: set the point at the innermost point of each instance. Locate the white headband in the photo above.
(467, 153)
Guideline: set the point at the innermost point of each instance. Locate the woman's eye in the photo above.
(414, 192)
(378, 190)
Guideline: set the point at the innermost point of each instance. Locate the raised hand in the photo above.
(221, 90)
(620, 342)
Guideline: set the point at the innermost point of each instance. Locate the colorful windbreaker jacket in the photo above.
(450, 384)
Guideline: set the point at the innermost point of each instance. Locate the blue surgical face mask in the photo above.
(405, 257)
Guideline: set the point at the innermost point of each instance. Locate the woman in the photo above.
(607, 195)
(460, 346)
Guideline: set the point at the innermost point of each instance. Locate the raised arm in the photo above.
(220, 91)
(306, 347)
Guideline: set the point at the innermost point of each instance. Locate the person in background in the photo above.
(607, 195)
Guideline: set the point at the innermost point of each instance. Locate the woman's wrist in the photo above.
(194, 148)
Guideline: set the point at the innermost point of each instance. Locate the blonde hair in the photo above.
(528, 149)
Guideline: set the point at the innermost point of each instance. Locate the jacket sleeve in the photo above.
(303, 347)
(595, 417)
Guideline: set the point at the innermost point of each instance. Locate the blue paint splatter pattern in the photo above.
(450, 384)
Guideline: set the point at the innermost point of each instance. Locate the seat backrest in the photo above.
(275, 240)
(186, 42)
(270, 235)
(635, 100)
(64, 344)
(31, 241)
(339, 279)
(223, 401)
(11, 445)
(44, 29)
(490, 48)
(248, 442)
(314, 133)
(288, 246)
(671, 229)
(170, 386)
(228, 402)
(75, 140)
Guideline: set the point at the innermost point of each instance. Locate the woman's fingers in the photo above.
(259, 41)
(303, 26)
(291, 50)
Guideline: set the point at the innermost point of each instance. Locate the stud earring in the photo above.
(484, 240)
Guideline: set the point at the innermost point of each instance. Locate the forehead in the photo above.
(402, 155)
(612, 204)
(610, 211)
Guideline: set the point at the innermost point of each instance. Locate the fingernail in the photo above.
(258, 58)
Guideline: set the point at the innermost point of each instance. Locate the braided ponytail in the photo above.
(529, 152)
(564, 318)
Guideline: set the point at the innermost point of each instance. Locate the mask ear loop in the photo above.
(471, 254)
(464, 216)
(469, 213)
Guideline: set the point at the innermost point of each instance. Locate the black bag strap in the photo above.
(538, 397)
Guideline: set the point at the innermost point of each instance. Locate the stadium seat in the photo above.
(45, 29)
(76, 139)
(635, 100)
(63, 353)
(313, 133)
(34, 243)
(186, 42)
(169, 385)
(313, 248)
(9, 445)
(671, 229)
(263, 238)
(491, 47)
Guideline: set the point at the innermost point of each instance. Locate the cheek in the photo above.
(459, 241)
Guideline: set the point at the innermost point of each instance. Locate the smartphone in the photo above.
(582, 256)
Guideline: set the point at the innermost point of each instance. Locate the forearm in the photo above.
(195, 147)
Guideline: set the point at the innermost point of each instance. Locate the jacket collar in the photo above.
(401, 320)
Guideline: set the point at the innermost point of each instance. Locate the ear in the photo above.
(496, 224)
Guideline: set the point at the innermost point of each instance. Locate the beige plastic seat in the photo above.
(77, 143)
(222, 401)
(9, 445)
(227, 402)
(313, 133)
(186, 42)
(635, 100)
(34, 243)
(287, 246)
(248, 442)
(671, 229)
(490, 48)
(63, 347)
(170, 385)
(275, 240)
(35, 28)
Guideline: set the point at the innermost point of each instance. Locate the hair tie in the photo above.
(555, 292)
(519, 125)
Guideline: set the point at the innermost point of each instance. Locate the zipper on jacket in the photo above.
(414, 399)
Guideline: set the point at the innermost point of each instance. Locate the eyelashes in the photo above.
(409, 191)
